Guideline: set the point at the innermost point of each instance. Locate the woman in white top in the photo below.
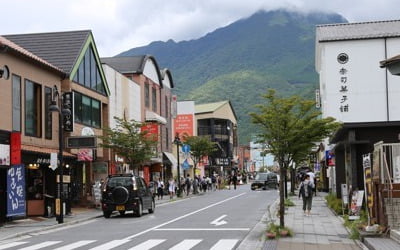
(171, 188)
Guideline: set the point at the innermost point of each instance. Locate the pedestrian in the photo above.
(213, 182)
(313, 180)
(306, 193)
(188, 184)
(160, 189)
(195, 185)
(234, 181)
(171, 188)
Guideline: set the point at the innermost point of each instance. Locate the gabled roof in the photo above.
(212, 107)
(61, 49)
(126, 64)
(132, 64)
(358, 31)
(64, 50)
(167, 73)
(11, 47)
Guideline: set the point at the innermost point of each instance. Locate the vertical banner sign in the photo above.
(68, 104)
(16, 191)
(15, 148)
(368, 184)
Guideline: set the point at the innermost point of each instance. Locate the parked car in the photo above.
(126, 192)
(264, 181)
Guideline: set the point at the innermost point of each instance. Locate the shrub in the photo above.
(272, 228)
(289, 203)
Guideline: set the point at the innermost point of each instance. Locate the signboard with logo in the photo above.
(184, 124)
(16, 191)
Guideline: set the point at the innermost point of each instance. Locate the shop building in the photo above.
(75, 55)
(156, 98)
(355, 90)
(218, 120)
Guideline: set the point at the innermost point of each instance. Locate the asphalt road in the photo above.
(216, 220)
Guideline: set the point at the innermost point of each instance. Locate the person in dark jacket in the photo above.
(306, 192)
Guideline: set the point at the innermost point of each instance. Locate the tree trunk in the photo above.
(292, 180)
(282, 197)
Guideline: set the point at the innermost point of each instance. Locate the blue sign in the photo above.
(185, 164)
(185, 148)
(16, 191)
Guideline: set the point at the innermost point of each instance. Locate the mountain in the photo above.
(241, 61)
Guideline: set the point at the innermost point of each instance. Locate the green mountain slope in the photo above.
(241, 61)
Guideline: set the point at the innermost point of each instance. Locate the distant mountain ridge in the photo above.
(241, 61)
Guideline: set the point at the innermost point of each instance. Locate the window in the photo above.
(16, 103)
(33, 109)
(88, 73)
(147, 94)
(167, 105)
(48, 115)
(154, 99)
(87, 110)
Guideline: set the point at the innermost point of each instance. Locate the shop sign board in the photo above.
(16, 205)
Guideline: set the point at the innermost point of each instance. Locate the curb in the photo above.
(255, 239)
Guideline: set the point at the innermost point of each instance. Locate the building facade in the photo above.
(358, 93)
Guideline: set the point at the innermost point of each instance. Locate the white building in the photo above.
(355, 90)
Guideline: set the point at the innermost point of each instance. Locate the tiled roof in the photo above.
(61, 49)
(126, 64)
(18, 49)
(357, 31)
(209, 107)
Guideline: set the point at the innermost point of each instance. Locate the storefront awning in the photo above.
(153, 117)
(43, 150)
(171, 158)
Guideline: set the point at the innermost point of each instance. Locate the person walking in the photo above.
(171, 188)
(234, 181)
(188, 184)
(306, 192)
(160, 189)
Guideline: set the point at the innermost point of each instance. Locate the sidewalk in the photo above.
(33, 225)
(322, 230)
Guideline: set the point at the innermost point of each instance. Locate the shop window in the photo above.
(34, 184)
(87, 110)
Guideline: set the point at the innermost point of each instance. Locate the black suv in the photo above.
(126, 192)
(264, 181)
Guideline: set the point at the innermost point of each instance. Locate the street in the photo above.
(215, 220)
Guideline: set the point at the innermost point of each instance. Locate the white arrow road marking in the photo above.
(218, 221)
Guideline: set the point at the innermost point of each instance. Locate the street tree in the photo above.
(200, 146)
(290, 127)
(129, 140)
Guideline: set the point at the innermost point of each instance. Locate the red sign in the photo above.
(184, 125)
(15, 148)
(152, 130)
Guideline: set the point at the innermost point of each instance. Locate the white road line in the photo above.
(147, 244)
(75, 245)
(224, 245)
(40, 245)
(12, 244)
(183, 216)
(185, 245)
(110, 245)
(202, 229)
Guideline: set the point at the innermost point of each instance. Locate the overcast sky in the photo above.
(119, 25)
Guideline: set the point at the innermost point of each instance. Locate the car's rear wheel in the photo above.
(153, 207)
(107, 214)
(139, 211)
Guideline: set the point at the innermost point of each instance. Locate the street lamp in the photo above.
(177, 142)
(61, 112)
